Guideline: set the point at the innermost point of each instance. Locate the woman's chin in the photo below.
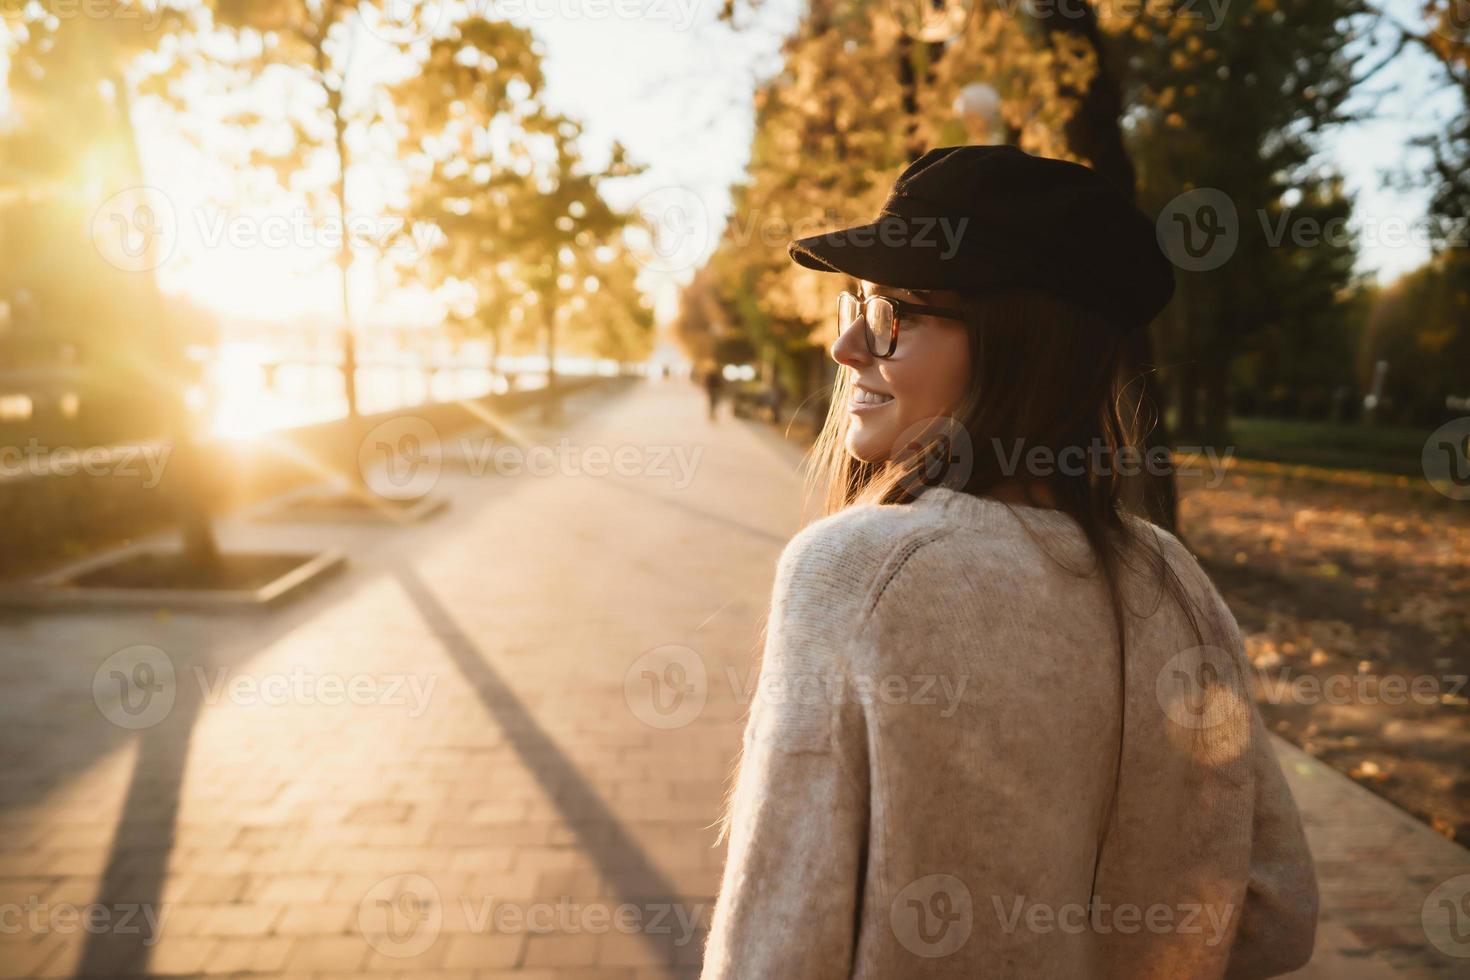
(866, 445)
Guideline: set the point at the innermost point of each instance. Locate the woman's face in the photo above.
(924, 379)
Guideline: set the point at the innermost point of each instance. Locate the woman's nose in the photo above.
(850, 349)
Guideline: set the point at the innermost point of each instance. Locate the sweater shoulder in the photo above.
(848, 552)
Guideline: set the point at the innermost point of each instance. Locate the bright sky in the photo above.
(674, 85)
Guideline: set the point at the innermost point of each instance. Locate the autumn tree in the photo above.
(518, 207)
(315, 43)
(83, 235)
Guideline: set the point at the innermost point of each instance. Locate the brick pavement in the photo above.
(483, 751)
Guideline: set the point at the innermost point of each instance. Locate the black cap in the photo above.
(970, 218)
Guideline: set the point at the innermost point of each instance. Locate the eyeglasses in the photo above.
(882, 317)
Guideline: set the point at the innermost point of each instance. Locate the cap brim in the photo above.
(861, 252)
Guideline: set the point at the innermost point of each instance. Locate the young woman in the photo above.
(1002, 729)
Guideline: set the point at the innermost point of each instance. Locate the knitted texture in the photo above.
(933, 747)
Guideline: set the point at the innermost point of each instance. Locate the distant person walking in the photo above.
(714, 384)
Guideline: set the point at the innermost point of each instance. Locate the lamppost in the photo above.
(978, 108)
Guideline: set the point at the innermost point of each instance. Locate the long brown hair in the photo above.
(1044, 372)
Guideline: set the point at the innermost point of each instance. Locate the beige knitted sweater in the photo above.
(933, 745)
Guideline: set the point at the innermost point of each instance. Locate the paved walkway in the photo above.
(495, 747)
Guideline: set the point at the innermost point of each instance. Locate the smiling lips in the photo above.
(865, 398)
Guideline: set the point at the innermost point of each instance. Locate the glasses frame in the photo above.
(899, 307)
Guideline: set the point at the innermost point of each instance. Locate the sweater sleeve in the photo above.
(789, 899)
(1278, 923)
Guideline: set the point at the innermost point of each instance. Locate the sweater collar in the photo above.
(987, 510)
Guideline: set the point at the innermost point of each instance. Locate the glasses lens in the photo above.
(879, 315)
(848, 309)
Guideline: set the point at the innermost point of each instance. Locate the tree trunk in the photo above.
(344, 255)
(1093, 133)
(1217, 401)
(549, 407)
(191, 492)
(909, 81)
